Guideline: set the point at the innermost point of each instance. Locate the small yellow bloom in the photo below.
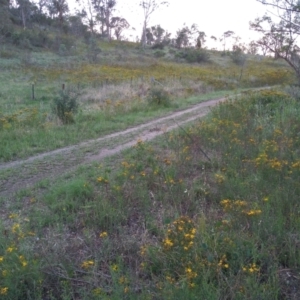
(87, 264)
(3, 290)
(15, 228)
(23, 261)
(97, 291)
(115, 267)
(253, 212)
(123, 280)
(13, 216)
(10, 249)
(103, 234)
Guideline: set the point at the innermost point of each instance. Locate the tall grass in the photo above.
(166, 221)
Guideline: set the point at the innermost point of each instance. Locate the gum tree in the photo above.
(280, 29)
(149, 7)
(4, 16)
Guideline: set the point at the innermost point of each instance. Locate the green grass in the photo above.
(114, 91)
(28, 132)
(165, 221)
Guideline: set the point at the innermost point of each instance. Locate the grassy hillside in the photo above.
(114, 85)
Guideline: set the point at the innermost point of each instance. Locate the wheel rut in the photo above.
(22, 174)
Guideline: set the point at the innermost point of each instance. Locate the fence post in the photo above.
(32, 91)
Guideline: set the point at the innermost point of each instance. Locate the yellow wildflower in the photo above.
(266, 199)
(88, 263)
(97, 291)
(10, 249)
(103, 234)
(3, 290)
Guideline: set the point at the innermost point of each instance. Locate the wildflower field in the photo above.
(209, 211)
(112, 93)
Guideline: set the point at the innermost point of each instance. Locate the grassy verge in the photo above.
(209, 210)
(30, 130)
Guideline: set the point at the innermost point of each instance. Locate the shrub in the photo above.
(194, 56)
(158, 96)
(238, 56)
(65, 105)
(293, 91)
(62, 50)
(159, 46)
(7, 54)
(159, 53)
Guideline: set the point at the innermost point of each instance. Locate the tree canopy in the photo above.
(280, 31)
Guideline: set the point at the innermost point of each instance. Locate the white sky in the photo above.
(213, 16)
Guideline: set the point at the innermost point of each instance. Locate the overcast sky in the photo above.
(213, 17)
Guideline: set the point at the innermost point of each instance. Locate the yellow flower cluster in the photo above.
(190, 273)
(219, 178)
(23, 261)
(22, 117)
(233, 205)
(103, 234)
(296, 164)
(180, 234)
(223, 263)
(102, 180)
(87, 264)
(3, 290)
(252, 212)
(251, 268)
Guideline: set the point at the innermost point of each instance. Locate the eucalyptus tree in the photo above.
(149, 7)
(227, 34)
(280, 30)
(88, 13)
(157, 37)
(183, 36)
(4, 16)
(25, 9)
(119, 24)
(104, 11)
(58, 8)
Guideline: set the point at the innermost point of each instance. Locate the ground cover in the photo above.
(113, 92)
(209, 210)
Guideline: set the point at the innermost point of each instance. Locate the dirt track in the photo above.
(22, 174)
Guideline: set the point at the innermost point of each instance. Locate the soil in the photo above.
(22, 174)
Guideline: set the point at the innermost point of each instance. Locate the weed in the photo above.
(65, 105)
(158, 96)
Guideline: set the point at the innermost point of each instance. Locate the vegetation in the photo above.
(167, 221)
(211, 209)
(65, 106)
(112, 84)
(280, 36)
